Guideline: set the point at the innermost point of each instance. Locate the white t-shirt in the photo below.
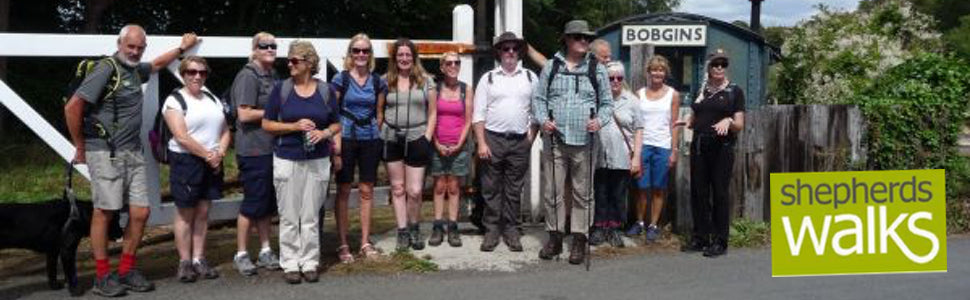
(204, 120)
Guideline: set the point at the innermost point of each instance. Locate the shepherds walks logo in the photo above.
(858, 222)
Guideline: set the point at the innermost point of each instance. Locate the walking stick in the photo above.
(589, 209)
(552, 161)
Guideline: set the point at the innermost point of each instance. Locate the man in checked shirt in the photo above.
(568, 91)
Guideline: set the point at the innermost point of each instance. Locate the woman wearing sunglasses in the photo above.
(254, 155)
(450, 161)
(359, 145)
(660, 106)
(200, 139)
(302, 114)
(409, 121)
(617, 161)
(718, 116)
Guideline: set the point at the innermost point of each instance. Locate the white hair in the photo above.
(615, 66)
(125, 30)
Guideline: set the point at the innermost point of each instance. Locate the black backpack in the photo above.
(590, 73)
(343, 88)
(461, 86)
(160, 134)
(92, 127)
(230, 109)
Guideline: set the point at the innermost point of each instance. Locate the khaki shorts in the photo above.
(117, 181)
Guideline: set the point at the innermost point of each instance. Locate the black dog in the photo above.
(48, 227)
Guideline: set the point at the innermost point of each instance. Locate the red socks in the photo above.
(127, 262)
(102, 267)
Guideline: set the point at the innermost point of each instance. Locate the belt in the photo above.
(508, 135)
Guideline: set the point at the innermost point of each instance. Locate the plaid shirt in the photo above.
(570, 97)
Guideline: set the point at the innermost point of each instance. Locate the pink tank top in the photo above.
(451, 120)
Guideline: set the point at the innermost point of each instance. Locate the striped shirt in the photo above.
(570, 98)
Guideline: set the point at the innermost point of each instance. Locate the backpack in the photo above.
(527, 74)
(160, 134)
(230, 110)
(343, 88)
(590, 74)
(461, 86)
(92, 127)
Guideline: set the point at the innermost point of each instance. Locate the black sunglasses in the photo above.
(616, 78)
(719, 64)
(193, 72)
(295, 61)
(452, 63)
(509, 49)
(360, 50)
(262, 46)
(582, 37)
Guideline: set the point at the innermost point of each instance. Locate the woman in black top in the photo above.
(718, 115)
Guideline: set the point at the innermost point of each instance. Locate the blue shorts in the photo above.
(259, 195)
(191, 180)
(654, 162)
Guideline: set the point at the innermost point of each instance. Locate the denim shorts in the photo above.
(654, 161)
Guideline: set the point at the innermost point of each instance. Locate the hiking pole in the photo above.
(552, 162)
(589, 208)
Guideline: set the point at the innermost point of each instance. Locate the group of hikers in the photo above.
(289, 134)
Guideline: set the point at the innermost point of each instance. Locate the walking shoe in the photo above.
(716, 249)
(635, 230)
(437, 233)
(695, 245)
(134, 281)
(186, 273)
(203, 269)
(244, 265)
(577, 251)
(552, 247)
(403, 239)
(652, 233)
(513, 240)
(417, 239)
(616, 238)
(267, 260)
(489, 242)
(292, 277)
(597, 237)
(311, 276)
(454, 237)
(108, 286)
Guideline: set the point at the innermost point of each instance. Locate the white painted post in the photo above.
(150, 104)
(463, 31)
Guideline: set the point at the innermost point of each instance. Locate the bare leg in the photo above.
(642, 204)
(99, 232)
(366, 190)
(200, 228)
(137, 217)
(656, 206)
(454, 197)
(243, 225)
(341, 211)
(440, 189)
(183, 232)
(395, 171)
(414, 186)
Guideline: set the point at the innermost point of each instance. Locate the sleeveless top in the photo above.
(656, 118)
(451, 120)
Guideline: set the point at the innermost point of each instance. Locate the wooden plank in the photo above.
(438, 48)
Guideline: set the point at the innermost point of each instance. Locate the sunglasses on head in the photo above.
(452, 63)
(616, 78)
(265, 46)
(193, 72)
(360, 50)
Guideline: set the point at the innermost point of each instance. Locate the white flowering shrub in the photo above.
(835, 54)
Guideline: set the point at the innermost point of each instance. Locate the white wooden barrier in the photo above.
(80, 45)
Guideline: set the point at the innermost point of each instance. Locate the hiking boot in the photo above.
(552, 247)
(653, 233)
(203, 269)
(134, 281)
(244, 265)
(512, 240)
(311, 276)
(437, 233)
(268, 260)
(186, 273)
(108, 286)
(403, 239)
(616, 239)
(489, 242)
(577, 251)
(454, 237)
(635, 230)
(695, 245)
(292, 277)
(717, 248)
(597, 237)
(417, 240)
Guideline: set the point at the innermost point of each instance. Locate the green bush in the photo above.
(915, 113)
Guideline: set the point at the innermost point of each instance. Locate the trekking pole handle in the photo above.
(592, 113)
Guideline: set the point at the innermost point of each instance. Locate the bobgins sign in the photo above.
(665, 35)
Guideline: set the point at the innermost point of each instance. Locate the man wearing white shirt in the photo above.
(504, 128)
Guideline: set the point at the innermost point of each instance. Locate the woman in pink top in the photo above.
(450, 161)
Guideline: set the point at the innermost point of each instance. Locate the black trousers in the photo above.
(504, 176)
(711, 162)
(610, 187)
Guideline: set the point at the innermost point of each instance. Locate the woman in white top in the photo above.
(199, 141)
(660, 105)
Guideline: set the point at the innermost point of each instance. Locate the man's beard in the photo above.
(127, 62)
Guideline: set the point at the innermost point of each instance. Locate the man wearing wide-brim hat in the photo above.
(570, 87)
(504, 130)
